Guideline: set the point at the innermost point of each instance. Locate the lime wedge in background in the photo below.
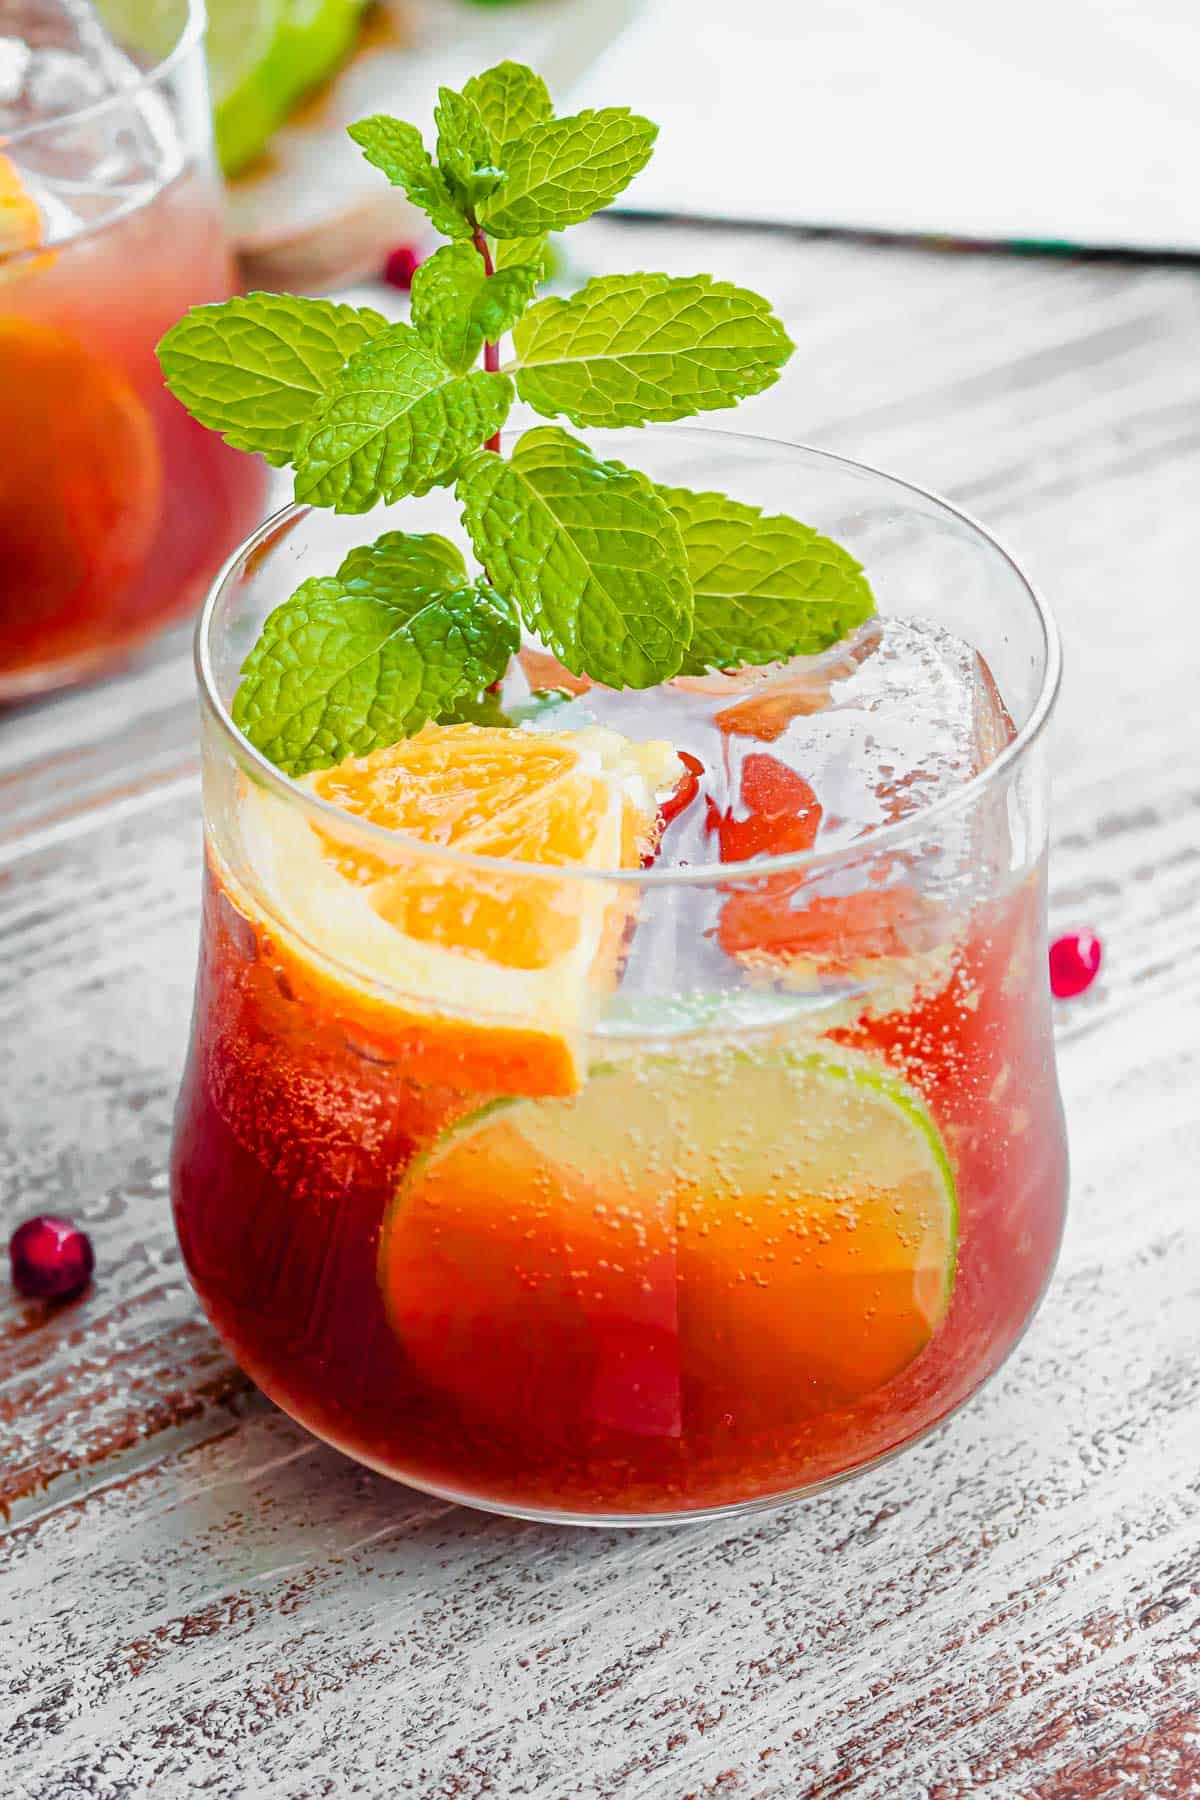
(775, 1226)
(316, 35)
(262, 56)
(241, 39)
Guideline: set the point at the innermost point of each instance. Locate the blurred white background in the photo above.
(1059, 121)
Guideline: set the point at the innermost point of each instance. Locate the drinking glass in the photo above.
(810, 1184)
(116, 508)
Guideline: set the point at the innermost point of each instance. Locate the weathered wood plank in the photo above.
(195, 1597)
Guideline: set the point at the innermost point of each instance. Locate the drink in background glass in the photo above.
(116, 508)
(809, 1185)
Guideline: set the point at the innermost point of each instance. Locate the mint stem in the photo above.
(491, 352)
(491, 362)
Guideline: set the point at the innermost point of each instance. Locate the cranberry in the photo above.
(1074, 963)
(51, 1258)
(401, 266)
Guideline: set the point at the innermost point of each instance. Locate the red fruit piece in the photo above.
(1074, 963)
(401, 266)
(763, 918)
(685, 792)
(783, 813)
(51, 1258)
(686, 789)
(837, 930)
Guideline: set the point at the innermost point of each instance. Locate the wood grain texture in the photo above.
(198, 1599)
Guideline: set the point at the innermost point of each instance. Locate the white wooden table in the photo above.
(197, 1598)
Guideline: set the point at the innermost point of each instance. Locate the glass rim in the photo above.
(882, 840)
(190, 39)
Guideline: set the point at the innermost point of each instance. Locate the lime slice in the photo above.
(262, 56)
(316, 35)
(242, 35)
(756, 1234)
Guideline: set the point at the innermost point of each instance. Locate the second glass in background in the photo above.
(116, 508)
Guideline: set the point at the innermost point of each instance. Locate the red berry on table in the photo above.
(401, 266)
(1074, 963)
(51, 1258)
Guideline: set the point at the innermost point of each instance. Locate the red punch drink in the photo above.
(640, 1103)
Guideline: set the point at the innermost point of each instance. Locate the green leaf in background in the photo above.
(399, 150)
(510, 98)
(253, 368)
(764, 589)
(395, 421)
(627, 349)
(456, 308)
(464, 150)
(589, 551)
(561, 171)
(351, 663)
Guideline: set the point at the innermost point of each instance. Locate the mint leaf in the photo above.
(632, 348)
(404, 559)
(590, 553)
(765, 588)
(509, 252)
(457, 307)
(464, 149)
(395, 421)
(563, 170)
(399, 150)
(254, 367)
(484, 708)
(509, 98)
(348, 664)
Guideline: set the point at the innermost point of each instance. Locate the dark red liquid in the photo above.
(291, 1142)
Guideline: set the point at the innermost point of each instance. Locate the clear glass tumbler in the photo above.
(116, 508)
(802, 1187)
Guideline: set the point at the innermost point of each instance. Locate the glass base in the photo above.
(37, 680)
(759, 1503)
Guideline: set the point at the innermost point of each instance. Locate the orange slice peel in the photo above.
(20, 217)
(479, 976)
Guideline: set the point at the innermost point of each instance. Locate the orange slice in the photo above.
(483, 980)
(80, 482)
(20, 219)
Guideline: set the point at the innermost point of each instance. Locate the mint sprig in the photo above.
(626, 582)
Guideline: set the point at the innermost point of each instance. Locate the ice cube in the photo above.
(56, 62)
(55, 58)
(915, 716)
